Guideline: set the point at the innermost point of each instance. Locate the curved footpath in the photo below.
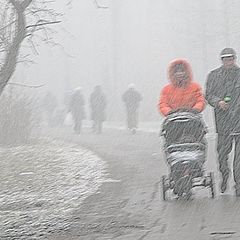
(129, 205)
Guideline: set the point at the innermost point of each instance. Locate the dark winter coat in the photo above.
(132, 99)
(76, 106)
(221, 83)
(98, 106)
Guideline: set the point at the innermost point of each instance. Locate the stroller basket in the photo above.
(190, 157)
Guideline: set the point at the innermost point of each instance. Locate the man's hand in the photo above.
(223, 105)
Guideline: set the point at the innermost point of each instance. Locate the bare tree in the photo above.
(20, 21)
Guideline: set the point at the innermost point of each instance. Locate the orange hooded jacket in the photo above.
(173, 97)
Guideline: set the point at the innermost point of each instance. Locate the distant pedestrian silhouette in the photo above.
(97, 106)
(131, 99)
(76, 107)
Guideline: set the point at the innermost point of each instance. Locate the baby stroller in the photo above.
(185, 148)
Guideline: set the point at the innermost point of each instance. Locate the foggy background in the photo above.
(131, 42)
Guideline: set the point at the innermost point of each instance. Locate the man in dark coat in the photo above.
(223, 94)
(98, 106)
(76, 107)
(131, 99)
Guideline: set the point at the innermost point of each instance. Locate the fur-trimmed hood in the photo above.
(187, 66)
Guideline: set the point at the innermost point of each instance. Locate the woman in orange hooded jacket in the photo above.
(182, 92)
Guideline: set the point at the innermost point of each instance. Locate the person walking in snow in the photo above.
(182, 92)
(98, 105)
(132, 99)
(76, 107)
(223, 94)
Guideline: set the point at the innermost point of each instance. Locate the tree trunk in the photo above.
(10, 61)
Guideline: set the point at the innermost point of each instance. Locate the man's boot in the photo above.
(224, 182)
(133, 131)
(237, 190)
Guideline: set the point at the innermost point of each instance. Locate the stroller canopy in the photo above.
(183, 127)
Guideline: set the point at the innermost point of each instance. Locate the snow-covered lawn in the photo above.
(41, 184)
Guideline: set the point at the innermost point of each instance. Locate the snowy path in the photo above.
(132, 208)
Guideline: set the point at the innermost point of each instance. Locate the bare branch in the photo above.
(7, 25)
(25, 85)
(25, 59)
(26, 3)
(42, 24)
(15, 3)
(99, 6)
(33, 47)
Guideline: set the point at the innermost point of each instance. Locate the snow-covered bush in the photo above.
(17, 117)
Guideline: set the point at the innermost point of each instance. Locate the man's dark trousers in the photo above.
(224, 147)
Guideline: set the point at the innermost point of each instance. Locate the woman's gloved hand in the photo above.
(190, 110)
(194, 111)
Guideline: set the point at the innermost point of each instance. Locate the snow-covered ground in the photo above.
(41, 184)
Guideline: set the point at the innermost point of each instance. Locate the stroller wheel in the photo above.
(211, 184)
(180, 193)
(164, 187)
